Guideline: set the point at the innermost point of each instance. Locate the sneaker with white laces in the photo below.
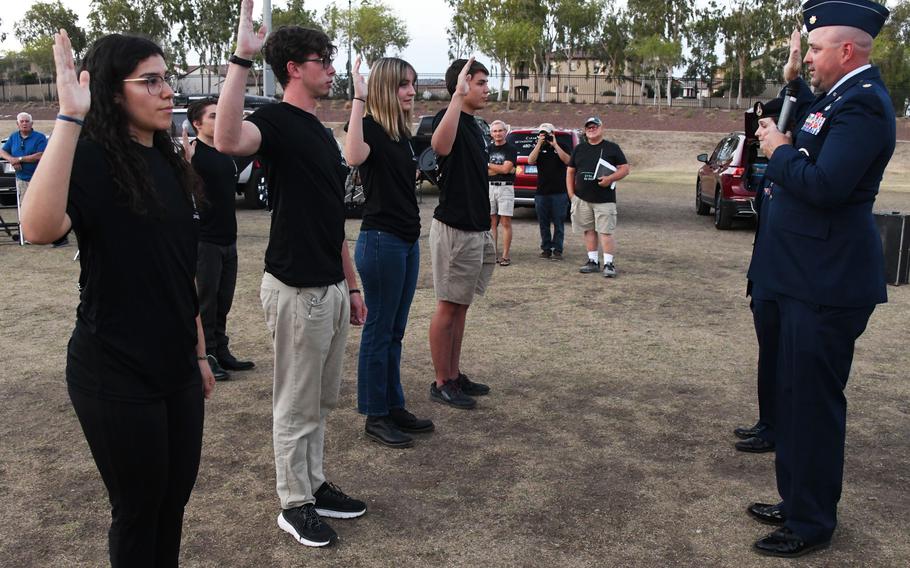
(589, 267)
(609, 270)
(304, 524)
(332, 502)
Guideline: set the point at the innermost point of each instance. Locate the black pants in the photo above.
(766, 318)
(148, 456)
(216, 276)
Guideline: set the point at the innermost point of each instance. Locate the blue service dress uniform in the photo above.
(818, 258)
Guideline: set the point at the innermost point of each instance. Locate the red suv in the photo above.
(729, 178)
(525, 174)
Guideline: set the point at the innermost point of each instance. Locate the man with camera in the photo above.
(550, 200)
(595, 167)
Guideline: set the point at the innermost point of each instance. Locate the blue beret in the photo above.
(863, 14)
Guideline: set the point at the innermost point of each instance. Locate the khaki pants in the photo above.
(309, 328)
(21, 187)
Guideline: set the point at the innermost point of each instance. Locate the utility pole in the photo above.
(350, 76)
(268, 78)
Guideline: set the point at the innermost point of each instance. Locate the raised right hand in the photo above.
(72, 92)
(360, 84)
(794, 62)
(249, 42)
(463, 86)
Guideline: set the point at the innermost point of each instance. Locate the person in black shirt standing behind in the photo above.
(387, 253)
(136, 368)
(501, 170)
(216, 273)
(460, 240)
(550, 200)
(593, 193)
(309, 289)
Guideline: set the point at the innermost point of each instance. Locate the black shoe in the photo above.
(746, 433)
(61, 243)
(589, 267)
(471, 388)
(609, 270)
(784, 543)
(407, 422)
(332, 502)
(768, 514)
(450, 393)
(227, 360)
(383, 430)
(755, 445)
(545, 253)
(305, 525)
(557, 255)
(220, 374)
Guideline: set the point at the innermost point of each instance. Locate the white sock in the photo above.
(592, 255)
(608, 258)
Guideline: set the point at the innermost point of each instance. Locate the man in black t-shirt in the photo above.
(594, 169)
(501, 171)
(216, 270)
(550, 201)
(460, 242)
(308, 291)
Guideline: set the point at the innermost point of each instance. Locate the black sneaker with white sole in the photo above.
(609, 270)
(450, 393)
(333, 503)
(304, 524)
(471, 388)
(589, 267)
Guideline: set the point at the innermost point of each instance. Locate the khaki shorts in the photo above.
(21, 187)
(502, 200)
(598, 216)
(463, 262)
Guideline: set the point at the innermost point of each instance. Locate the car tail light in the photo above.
(519, 170)
(257, 164)
(735, 172)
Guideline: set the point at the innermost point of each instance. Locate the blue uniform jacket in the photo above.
(817, 241)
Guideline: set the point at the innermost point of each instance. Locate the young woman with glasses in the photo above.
(136, 369)
(387, 254)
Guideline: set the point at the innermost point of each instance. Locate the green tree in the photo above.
(210, 31)
(40, 53)
(576, 23)
(611, 45)
(702, 40)
(667, 18)
(372, 28)
(891, 55)
(162, 21)
(656, 55)
(44, 19)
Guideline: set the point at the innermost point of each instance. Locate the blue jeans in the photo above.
(388, 268)
(551, 210)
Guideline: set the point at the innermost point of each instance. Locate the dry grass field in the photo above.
(606, 440)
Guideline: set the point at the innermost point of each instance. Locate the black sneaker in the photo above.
(332, 502)
(305, 526)
(61, 242)
(545, 253)
(407, 422)
(609, 270)
(220, 374)
(590, 267)
(471, 388)
(557, 255)
(450, 393)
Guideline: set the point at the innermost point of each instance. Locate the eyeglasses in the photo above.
(592, 126)
(326, 61)
(153, 83)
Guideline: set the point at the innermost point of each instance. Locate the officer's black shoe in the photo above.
(471, 388)
(755, 445)
(219, 373)
(381, 429)
(768, 514)
(227, 360)
(407, 422)
(784, 543)
(751, 432)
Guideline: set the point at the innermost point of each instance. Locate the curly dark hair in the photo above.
(109, 60)
(196, 109)
(294, 43)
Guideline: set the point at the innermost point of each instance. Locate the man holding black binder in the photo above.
(594, 169)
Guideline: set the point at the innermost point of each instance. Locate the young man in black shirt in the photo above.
(594, 169)
(216, 269)
(550, 200)
(501, 170)
(308, 290)
(460, 242)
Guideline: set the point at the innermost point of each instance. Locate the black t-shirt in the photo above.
(218, 219)
(135, 335)
(306, 191)
(585, 159)
(464, 201)
(500, 155)
(551, 170)
(389, 176)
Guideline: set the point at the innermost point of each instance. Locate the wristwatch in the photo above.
(240, 61)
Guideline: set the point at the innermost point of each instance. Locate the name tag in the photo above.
(814, 123)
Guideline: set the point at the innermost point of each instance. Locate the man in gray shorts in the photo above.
(460, 242)
(594, 168)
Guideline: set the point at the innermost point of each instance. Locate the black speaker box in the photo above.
(894, 228)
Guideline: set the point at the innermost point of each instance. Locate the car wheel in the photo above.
(701, 208)
(723, 219)
(256, 191)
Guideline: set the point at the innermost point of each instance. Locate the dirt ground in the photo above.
(606, 440)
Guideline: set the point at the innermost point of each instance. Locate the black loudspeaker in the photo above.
(894, 228)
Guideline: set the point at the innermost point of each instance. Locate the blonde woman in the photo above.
(387, 254)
